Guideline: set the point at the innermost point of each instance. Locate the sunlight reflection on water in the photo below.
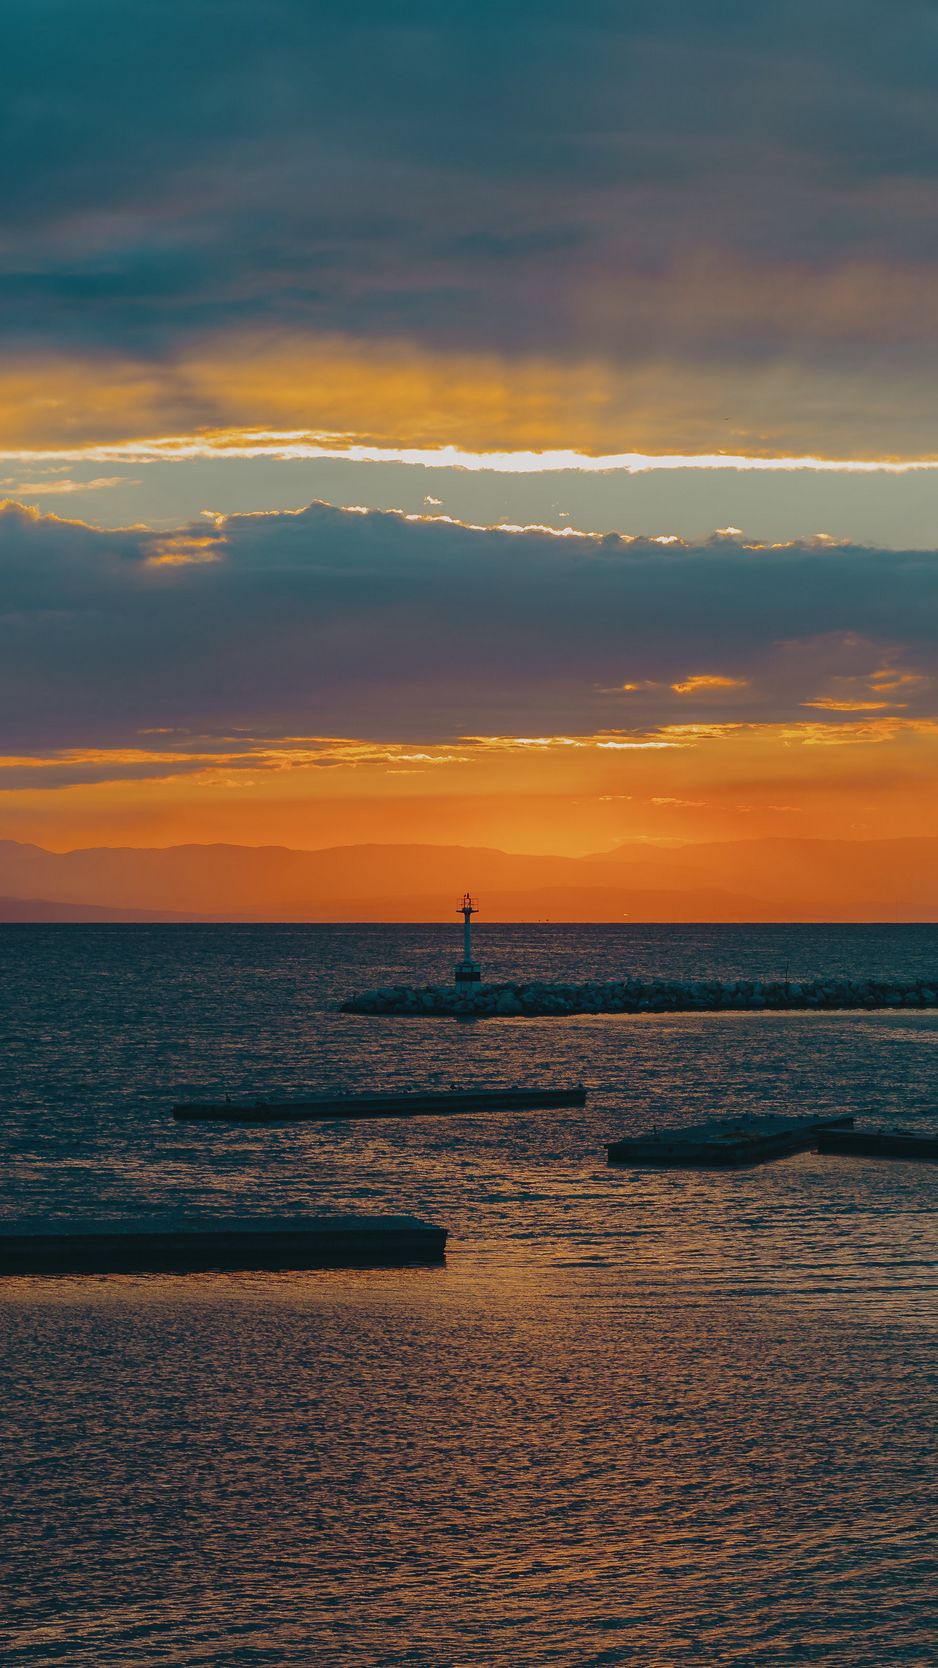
(639, 1417)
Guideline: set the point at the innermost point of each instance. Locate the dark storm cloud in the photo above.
(491, 175)
(333, 623)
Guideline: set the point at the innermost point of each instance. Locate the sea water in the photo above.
(639, 1417)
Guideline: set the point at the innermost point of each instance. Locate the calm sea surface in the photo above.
(640, 1418)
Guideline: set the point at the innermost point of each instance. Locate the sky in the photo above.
(486, 423)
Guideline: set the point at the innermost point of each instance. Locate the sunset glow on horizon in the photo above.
(548, 496)
(671, 694)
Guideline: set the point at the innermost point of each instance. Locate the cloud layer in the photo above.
(684, 224)
(267, 629)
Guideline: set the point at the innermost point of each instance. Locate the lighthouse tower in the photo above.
(468, 972)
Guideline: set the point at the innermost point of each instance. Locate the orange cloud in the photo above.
(179, 549)
(829, 705)
(332, 395)
(205, 756)
(566, 794)
(706, 683)
(890, 681)
(54, 488)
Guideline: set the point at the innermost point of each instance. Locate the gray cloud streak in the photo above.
(334, 623)
(515, 176)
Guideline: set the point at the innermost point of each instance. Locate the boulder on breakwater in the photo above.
(532, 999)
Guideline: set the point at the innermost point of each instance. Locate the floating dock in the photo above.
(417, 1103)
(187, 1246)
(879, 1143)
(724, 1142)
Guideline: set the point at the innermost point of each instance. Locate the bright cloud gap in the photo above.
(299, 445)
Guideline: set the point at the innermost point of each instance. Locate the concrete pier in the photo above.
(534, 999)
(724, 1142)
(190, 1246)
(879, 1143)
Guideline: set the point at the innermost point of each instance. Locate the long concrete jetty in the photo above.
(190, 1246)
(413, 1103)
(879, 1143)
(724, 1142)
(530, 998)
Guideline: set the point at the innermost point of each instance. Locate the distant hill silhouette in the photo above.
(41, 909)
(752, 880)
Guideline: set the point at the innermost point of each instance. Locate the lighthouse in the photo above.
(468, 972)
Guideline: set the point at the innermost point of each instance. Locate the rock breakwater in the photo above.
(636, 996)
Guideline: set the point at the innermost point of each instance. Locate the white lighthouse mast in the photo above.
(468, 972)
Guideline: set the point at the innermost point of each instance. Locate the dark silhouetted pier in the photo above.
(724, 1142)
(187, 1246)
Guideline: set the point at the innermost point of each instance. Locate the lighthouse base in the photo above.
(468, 975)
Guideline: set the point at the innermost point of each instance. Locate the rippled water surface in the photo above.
(639, 1417)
